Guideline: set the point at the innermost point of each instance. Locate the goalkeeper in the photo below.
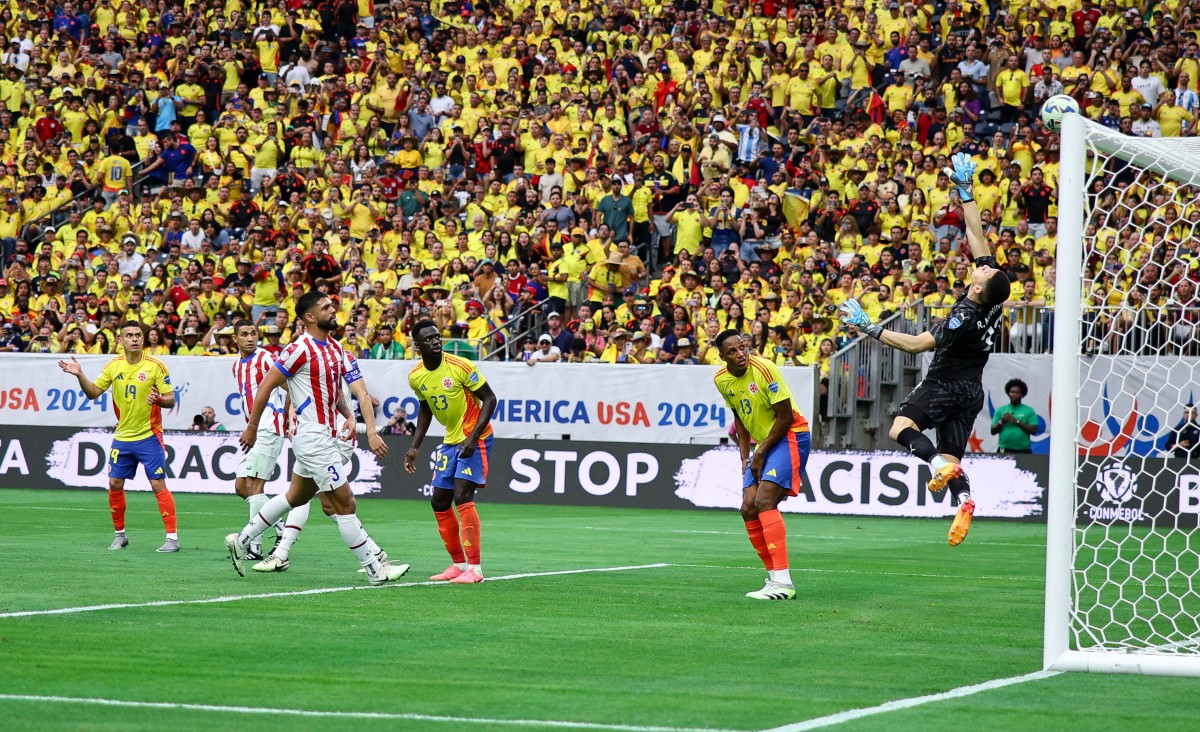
(951, 394)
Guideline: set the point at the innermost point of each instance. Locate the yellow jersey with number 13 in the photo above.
(449, 392)
(752, 397)
(131, 384)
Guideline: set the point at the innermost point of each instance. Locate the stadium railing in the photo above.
(505, 341)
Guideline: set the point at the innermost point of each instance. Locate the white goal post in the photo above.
(1122, 548)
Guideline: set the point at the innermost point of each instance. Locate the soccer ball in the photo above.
(1055, 107)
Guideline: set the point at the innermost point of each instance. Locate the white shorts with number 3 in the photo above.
(319, 458)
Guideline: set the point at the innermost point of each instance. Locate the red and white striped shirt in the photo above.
(315, 371)
(249, 372)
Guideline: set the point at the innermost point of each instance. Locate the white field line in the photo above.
(916, 701)
(398, 716)
(813, 570)
(194, 513)
(838, 537)
(302, 593)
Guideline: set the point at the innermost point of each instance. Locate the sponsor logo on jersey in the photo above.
(447, 383)
(467, 471)
(771, 473)
(954, 323)
(475, 377)
(773, 387)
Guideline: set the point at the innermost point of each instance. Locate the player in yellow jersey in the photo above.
(141, 388)
(452, 389)
(764, 412)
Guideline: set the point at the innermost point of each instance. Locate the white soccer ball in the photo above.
(1055, 107)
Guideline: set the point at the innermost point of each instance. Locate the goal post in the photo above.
(1122, 574)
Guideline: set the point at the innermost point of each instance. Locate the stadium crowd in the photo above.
(640, 174)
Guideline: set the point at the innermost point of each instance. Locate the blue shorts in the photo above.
(784, 464)
(124, 458)
(448, 466)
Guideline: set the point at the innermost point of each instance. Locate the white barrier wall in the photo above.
(1131, 412)
(599, 402)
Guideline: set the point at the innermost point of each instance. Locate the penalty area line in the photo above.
(314, 591)
(916, 701)
(393, 716)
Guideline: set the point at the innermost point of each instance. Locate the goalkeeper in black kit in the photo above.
(951, 394)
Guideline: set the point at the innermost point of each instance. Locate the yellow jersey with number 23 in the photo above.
(448, 390)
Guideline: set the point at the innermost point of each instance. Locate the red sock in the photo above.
(166, 507)
(116, 506)
(775, 534)
(448, 528)
(755, 530)
(470, 531)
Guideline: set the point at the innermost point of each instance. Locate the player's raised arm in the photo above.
(853, 314)
(963, 177)
(73, 368)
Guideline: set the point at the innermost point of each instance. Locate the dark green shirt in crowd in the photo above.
(1011, 436)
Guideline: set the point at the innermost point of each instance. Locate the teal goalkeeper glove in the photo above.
(962, 175)
(853, 314)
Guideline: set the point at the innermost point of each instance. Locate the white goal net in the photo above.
(1123, 557)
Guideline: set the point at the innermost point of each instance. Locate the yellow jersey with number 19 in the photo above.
(752, 397)
(131, 384)
(448, 390)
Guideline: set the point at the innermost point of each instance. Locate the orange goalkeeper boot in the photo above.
(942, 477)
(962, 522)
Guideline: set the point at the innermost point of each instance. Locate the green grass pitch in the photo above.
(886, 611)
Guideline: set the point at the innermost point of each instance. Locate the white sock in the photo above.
(463, 566)
(254, 504)
(271, 512)
(356, 538)
(375, 549)
(120, 532)
(371, 545)
(783, 576)
(293, 525)
(476, 568)
(938, 462)
(172, 535)
(771, 574)
(964, 497)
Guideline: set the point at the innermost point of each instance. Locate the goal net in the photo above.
(1123, 557)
